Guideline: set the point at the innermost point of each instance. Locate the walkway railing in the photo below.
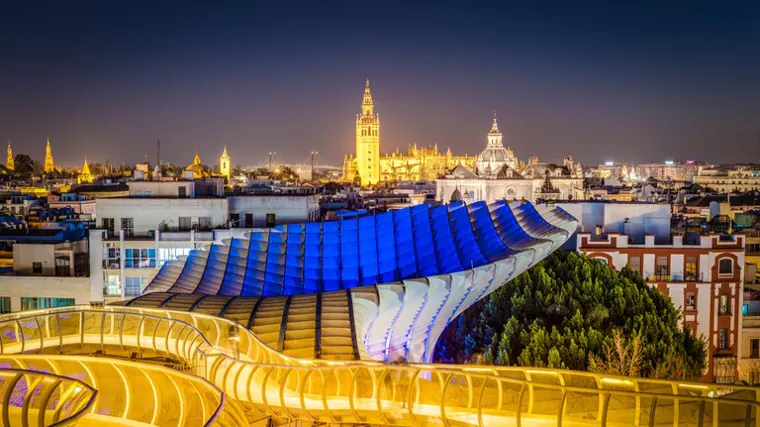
(32, 398)
(233, 359)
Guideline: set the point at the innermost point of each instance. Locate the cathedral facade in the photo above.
(498, 174)
(370, 167)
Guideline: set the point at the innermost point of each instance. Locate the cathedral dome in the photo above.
(495, 156)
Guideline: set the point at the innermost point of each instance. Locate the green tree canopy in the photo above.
(569, 311)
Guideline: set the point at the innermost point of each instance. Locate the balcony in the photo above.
(184, 236)
(677, 278)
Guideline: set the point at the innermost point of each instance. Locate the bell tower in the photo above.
(368, 140)
(224, 164)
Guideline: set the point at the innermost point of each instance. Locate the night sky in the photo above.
(603, 81)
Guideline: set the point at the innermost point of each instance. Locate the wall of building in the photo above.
(78, 288)
(634, 219)
(26, 254)
(161, 188)
(151, 213)
(287, 209)
(705, 317)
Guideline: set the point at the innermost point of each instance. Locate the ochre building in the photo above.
(369, 166)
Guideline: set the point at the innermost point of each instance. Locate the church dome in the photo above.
(495, 156)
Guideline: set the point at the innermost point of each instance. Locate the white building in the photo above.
(137, 235)
(635, 219)
(500, 175)
(265, 210)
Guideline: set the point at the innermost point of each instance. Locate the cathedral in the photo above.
(498, 174)
(371, 167)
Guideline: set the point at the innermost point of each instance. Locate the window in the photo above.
(745, 309)
(723, 307)
(271, 222)
(690, 272)
(5, 305)
(602, 260)
(133, 286)
(62, 266)
(185, 223)
(723, 339)
(113, 285)
(691, 301)
(108, 225)
(33, 303)
(140, 258)
(36, 268)
(204, 223)
(112, 258)
(171, 254)
(726, 266)
(634, 262)
(661, 268)
(754, 349)
(128, 226)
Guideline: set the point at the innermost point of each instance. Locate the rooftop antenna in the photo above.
(158, 152)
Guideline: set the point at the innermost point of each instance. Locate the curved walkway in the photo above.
(237, 363)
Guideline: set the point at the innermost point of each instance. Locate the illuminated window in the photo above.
(754, 349)
(690, 273)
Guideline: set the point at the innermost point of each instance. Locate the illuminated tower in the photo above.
(10, 164)
(85, 177)
(224, 164)
(368, 141)
(49, 164)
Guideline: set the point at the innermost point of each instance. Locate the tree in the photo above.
(573, 312)
(24, 166)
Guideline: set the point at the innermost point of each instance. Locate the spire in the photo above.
(49, 163)
(197, 159)
(367, 103)
(495, 125)
(10, 164)
(224, 152)
(494, 135)
(85, 177)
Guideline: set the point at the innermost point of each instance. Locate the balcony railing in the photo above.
(674, 278)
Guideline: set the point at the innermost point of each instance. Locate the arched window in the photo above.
(726, 266)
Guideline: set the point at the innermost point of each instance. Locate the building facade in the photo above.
(372, 167)
(727, 180)
(704, 277)
(498, 175)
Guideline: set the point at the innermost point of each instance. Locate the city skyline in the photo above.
(260, 78)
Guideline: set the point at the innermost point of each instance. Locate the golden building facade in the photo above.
(372, 167)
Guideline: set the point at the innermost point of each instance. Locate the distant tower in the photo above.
(368, 141)
(10, 164)
(85, 177)
(49, 163)
(224, 164)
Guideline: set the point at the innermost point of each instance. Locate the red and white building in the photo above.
(703, 277)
